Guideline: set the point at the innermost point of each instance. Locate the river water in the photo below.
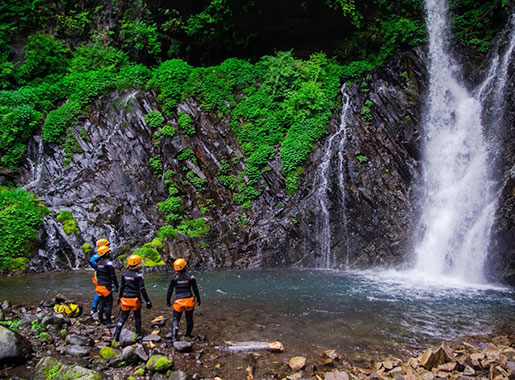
(361, 314)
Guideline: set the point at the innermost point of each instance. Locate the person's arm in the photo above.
(114, 280)
(170, 291)
(93, 261)
(142, 290)
(120, 295)
(193, 283)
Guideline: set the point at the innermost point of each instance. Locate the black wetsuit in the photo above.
(106, 276)
(133, 286)
(183, 283)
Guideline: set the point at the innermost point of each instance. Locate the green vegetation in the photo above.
(68, 221)
(154, 119)
(186, 124)
(86, 248)
(20, 218)
(13, 325)
(362, 158)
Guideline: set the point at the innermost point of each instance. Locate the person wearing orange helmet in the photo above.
(132, 291)
(183, 283)
(93, 262)
(106, 283)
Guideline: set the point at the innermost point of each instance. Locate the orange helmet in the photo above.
(134, 260)
(179, 264)
(103, 250)
(101, 242)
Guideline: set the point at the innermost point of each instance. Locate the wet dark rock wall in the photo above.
(113, 192)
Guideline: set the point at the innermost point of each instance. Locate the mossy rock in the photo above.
(159, 363)
(107, 352)
(50, 369)
(139, 372)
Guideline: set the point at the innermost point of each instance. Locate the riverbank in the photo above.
(80, 342)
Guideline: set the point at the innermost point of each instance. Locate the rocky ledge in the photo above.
(51, 346)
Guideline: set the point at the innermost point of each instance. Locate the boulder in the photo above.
(75, 350)
(297, 362)
(134, 354)
(107, 352)
(14, 348)
(159, 363)
(49, 367)
(79, 340)
(336, 375)
(5, 305)
(183, 346)
(127, 337)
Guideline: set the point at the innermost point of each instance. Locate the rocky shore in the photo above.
(37, 343)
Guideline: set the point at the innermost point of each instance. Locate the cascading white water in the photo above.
(322, 185)
(459, 194)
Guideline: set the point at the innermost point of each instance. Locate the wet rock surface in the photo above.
(481, 357)
(13, 347)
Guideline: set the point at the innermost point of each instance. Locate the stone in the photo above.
(5, 305)
(127, 337)
(159, 321)
(413, 363)
(183, 346)
(74, 350)
(332, 354)
(59, 371)
(297, 362)
(469, 371)
(79, 340)
(441, 356)
(295, 376)
(130, 356)
(177, 375)
(159, 376)
(336, 375)
(396, 371)
(139, 372)
(1, 315)
(428, 376)
(152, 338)
(159, 363)
(477, 356)
(14, 348)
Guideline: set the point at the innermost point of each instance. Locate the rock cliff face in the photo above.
(366, 192)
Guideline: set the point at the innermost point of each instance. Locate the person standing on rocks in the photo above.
(106, 278)
(131, 292)
(183, 283)
(93, 262)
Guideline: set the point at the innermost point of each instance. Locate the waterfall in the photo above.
(460, 194)
(322, 185)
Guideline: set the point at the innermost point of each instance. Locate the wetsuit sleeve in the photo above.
(113, 276)
(93, 261)
(193, 283)
(142, 289)
(122, 287)
(170, 290)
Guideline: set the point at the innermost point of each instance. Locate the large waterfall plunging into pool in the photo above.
(460, 193)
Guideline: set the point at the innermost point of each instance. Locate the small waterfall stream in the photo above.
(322, 186)
(460, 194)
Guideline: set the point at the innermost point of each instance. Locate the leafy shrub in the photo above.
(167, 130)
(197, 182)
(186, 123)
(86, 248)
(170, 205)
(97, 56)
(154, 119)
(20, 218)
(70, 147)
(140, 38)
(59, 120)
(43, 56)
(168, 79)
(187, 154)
(68, 221)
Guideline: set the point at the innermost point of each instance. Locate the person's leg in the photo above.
(119, 326)
(101, 309)
(137, 321)
(189, 322)
(94, 307)
(108, 308)
(175, 324)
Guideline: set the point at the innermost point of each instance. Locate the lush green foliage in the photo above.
(20, 218)
(186, 123)
(68, 221)
(154, 119)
